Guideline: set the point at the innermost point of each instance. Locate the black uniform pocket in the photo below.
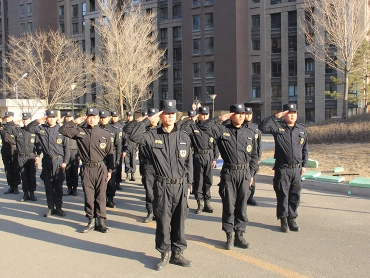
(225, 174)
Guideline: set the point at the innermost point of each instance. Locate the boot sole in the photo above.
(180, 264)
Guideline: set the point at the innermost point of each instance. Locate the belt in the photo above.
(169, 180)
(290, 166)
(91, 164)
(26, 154)
(235, 166)
(203, 151)
(52, 157)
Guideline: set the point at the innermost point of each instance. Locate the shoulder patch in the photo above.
(42, 131)
(195, 130)
(281, 129)
(158, 141)
(82, 133)
(226, 134)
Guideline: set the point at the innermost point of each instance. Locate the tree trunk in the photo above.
(345, 98)
(121, 104)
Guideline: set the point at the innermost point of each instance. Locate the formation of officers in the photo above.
(176, 158)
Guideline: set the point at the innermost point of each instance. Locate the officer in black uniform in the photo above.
(258, 135)
(55, 148)
(9, 154)
(73, 163)
(29, 150)
(238, 149)
(291, 155)
(129, 151)
(191, 114)
(117, 145)
(95, 147)
(204, 158)
(116, 122)
(169, 152)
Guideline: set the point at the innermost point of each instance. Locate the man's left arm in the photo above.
(118, 147)
(253, 164)
(304, 154)
(189, 169)
(66, 152)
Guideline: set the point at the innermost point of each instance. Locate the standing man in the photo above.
(73, 163)
(95, 147)
(55, 148)
(238, 149)
(129, 151)
(9, 154)
(29, 150)
(169, 152)
(291, 155)
(204, 159)
(258, 135)
(117, 123)
(115, 137)
(192, 114)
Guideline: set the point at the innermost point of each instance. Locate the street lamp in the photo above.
(213, 96)
(15, 87)
(196, 104)
(73, 86)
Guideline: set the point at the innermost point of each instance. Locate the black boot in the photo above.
(132, 177)
(74, 192)
(49, 212)
(284, 224)
(149, 217)
(59, 211)
(178, 259)
(251, 201)
(110, 203)
(90, 226)
(25, 197)
(10, 190)
(240, 241)
(100, 226)
(229, 241)
(200, 207)
(69, 192)
(292, 225)
(32, 196)
(165, 257)
(127, 179)
(207, 207)
(15, 191)
(118, 186)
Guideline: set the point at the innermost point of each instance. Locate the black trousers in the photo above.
(203, 177)
(10, 160)
(147, 178)
(28, 169)
(170, 209)
(119, 172)
(234, 191)
(72, 170)
(287, 186)
(53, 178)
(95, 186)
(130, 164)
(112, 186)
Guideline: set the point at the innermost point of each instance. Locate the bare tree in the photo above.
(336, 30)
(52, 63)
(129, 57)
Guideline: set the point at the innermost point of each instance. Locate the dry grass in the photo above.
(354, 158)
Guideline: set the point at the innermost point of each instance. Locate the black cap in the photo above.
(248, 110)
(26, 116)
(104, 114)
(68, 114)
(144, 113)
(204, 110)
(291, 107)
(129, 113)
(237, 108)
(51, 113)
(152, 111)
(114, 114)
(8, 114)
(168, 106)
(93, 111)
(192, 113)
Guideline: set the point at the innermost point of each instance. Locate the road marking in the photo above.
(231, 253)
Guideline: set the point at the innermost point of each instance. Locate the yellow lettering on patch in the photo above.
(226, 134)
(281, 129)
(196, 131)
(158, 142)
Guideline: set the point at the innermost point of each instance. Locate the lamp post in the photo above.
(196, 104)
(213, 96)
(73, 86)
(15, 87)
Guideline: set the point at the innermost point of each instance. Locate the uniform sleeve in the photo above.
(33, 127)
(118, 147)
(137, 133)
(213, 129)
(305, 153)
(129, 127)
(268, 125)
(69, 130)
(259, 143)
(253, 164)
(66, 150)
(37, 147)
(189, 166)
(110, 157)
(216, 152)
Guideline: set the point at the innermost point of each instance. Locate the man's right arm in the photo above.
(33, 127)
(138, 131)
(69, 129)
(268, 125)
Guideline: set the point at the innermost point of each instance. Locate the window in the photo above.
(163, 33)
(29, 27)
(177, 54)
(61, 11)
(210, 69)
(210, 90)
(275, 21)
(255, 1)
(209, 21)
(256, 68)
(292, 43)
(330, 87)
(92, 5)
(177, 33)
(196, 3)
(276, 68)
(92, 43)
(83, 26)
(329, 69)
(276, 93)
(256, 20)
(23, 28)
(196, 22)
(29, 9)
(256, 45)
(292, 92)
(177, 75)
(310, 115)
(209, 45)
(61, 28)
(330, 113)
(273, 2)
(208, 2)
(310, 89)
(21, 10)
(178, 96)
(198, 93)
(75, 28)
(176, 11)
(83, 8)
(309, 64)
(164, 76)
(292, 68)
(196, 47)
(165, 93)
(276, 45)
(197, 70)
(256, 92)
(75, 10)
(164, 13)
(292, 19)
